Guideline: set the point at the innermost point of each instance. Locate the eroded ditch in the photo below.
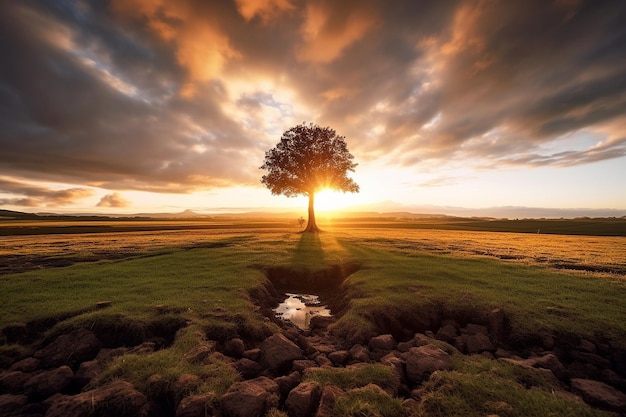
(302, 294)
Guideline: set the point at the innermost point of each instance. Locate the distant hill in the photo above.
(9, 214)
(384, 210)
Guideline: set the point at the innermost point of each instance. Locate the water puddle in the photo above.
(299, 308)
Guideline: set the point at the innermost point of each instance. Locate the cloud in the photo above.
(442, 181)
(34, 196)
(327, 30)
(181, 96)
(264, 9)
(113, 200)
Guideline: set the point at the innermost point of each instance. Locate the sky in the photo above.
(125, 106)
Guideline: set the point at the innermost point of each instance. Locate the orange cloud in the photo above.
(202, 48)
(265, 9)
(113, 200)
(327, 33)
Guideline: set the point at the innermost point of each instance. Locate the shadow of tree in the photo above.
(309, 250)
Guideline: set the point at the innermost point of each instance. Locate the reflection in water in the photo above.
(299, 308)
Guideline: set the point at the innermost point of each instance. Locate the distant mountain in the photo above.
(509, 212)
(9, 214)
(375, 210)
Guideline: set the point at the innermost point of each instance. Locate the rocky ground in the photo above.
(55, 381)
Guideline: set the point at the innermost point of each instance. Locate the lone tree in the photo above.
(308, 159)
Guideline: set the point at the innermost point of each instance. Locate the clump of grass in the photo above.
(156, 374)
(368, 402)
(478, 387)
(357, 377)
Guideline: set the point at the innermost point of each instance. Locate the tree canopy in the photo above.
(308, 159)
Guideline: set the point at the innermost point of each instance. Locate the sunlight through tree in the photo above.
(308, 159)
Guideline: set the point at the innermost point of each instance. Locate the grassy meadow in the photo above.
(210, 278)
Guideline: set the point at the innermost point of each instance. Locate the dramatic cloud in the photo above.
(174, 97)
(113, 200)
(37, 196)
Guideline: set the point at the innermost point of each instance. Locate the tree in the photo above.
(308, 159)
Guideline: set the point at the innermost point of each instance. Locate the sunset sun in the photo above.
(331, 200)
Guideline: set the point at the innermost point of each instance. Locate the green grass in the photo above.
(477, 387)
(347, 379)
(402, 284)
(156, 374)
(193, 282)
(212, 285)
(368, 402)
(211, 288)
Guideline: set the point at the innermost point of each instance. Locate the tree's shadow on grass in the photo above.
(309, 251)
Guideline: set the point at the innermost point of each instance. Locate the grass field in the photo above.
(563, 284)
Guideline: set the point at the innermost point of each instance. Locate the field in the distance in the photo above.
(29, 244)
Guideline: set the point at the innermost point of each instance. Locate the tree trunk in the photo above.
(311, 226)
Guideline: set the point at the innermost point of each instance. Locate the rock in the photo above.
(397, 364)
(339, 357)
(235, 348)
(13, 381)
(26, 365)
(250, 398)
(321, 322)
(119, 398)
(200, 405)
(253, 354)
(477, 343)
(591, 358)
(502, 353)
(302, 364)
(421, 340)
(247, 368)
(599, 394)
(405, 346)
(288, 382)
(359, 353)
(11, 404)
(552, 363)
(582, 370)
(474, 329)
(86, 372)
(382, 342)
(424, 360)
(372, 387)
(303, 400)
(43, 385)
(323, 361)
(496, 323)
(330, 394)
(447, 333)
(69, 349)
(200, 352)
(279, 352)
(549, 361)
(587, 346)
(106, 355)
(460, 343)
(185, 384)
(612, 378)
